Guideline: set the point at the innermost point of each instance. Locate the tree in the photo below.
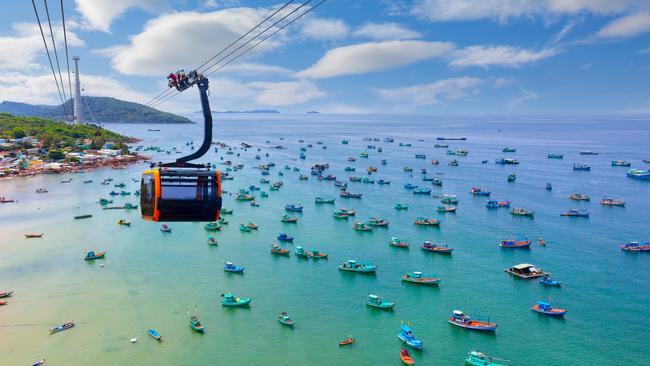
(56, 155)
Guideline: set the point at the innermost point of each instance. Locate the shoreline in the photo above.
(117, 162)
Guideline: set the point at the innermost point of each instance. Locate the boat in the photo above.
(458, 318)
(120, 185)
(376, 221)
(226, 211)
(300, 252)
(647, 161)
(324, 200)
(340, 214)
(606, 201)
(62, 327)
(394, 242)
(424, 221)
(406, 357)
(436, 248)
(353, 265)
(79, 217)
(244, 229)
(421, 278)
(420, 156)
(212, 241)
(620, 163)
(275, 249)
(638, 174)
(633, 246)
(41, 362)
(588, 152)
(579, 197)
(251, 225)
(519, 242)
(480, 191)
(555, 156)
(363, 154)
(125, 193)
(123, 222)
(441, 146)
(347, 341)
(475, 358)
(346, 194)
(196, 325)
(435, 162)
(453, 162)
(344, 142)
(574, 212)
(407, 169)
(405, 144)
(6, 294)
(509, 149)
(421, 190)
(104, 201)
(30, 236)
(230, 300)
(512, 177)
(548, 281)
(293, 207)
(582, 167)
(543, 307)
(451, 138)
(222, 221)
(446, 209)
(41, 190)
(315, 254)
(92, 255)
(165, 229)
(549, 186)
(233, 268)
(354, 179)
(284, 237)
(371, 169)
(410, 186)
(349, 212)
(449, 199)
(526, 270)
(401, 206)
(350, 169)
(522, 212)
(383, 182)
(361, 226)
(378, 302)
(507, 161)
(383, 161)
(284, 318)
(289, 219)
(497, 204)
(154, 334)
(368, 180)
(407, 336)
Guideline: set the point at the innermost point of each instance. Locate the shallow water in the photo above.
(155, 280)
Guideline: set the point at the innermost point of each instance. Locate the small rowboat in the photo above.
(124, 222)
(28, 236)
(62, 327)
(196, 325)
(459, 319)
(406, 357)
(345, 342)
(285, 319)
(545, 308)
(420, 278)
(154, 334)
(91, 255)
(6, 294)
(165, 229)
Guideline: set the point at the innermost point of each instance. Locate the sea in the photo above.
(153, 280)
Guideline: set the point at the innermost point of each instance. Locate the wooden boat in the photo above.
(588, 152)
(87, 216)
(421, 278)
(376, 221)
(548, 281)
(41, 190)
(410, 186)
(497, 204)
(555, 156)
(285, 319)
(165, 229)
(340, 214)
(612, 202)
(458, 318)
(319, 200)
(383, 182)
(212, 226)
(378, 302)
(543, 307)
(549, 186)
(349, 212)
(512, 177)
(154, 334)
(476, 191)
(582, 167)
(401, 206)
(620, 163)
(289, 219)
(368, 180)
(436, 248)
(62, 327)
(4, 302)
(275, 249)
(196, 325)
(346, 194)
(231, 267)
(394, 242)
(445, 209)
(424, 221)
(526, 270)
(579, 197)
(634, 246)
(315, 254)
(407, 336)
(285, 237)
(41, 362)
(434, 162)
(361, 226)
(251, 225)
(92, 255)
(519, 242)
(522, 212)
(507, 161)
(293, 207)
(441, 146)
(449, 199)
(406, 357)
(212, 241)
(232, 301)
(300, 252)
(509, 149)
(421, 190)
(245, 229)
(6, 294)
(574, 212)
(638, 174)
(352, 265)
(475, 358)
(347, 341)
(29, 236)
(123, 222)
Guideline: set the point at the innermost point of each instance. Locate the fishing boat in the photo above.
(30, 236)
(196, 325)
(344, 142)
(405, 144)
(368, 180)
(376, 221)
(407, 336)
(436, 248)
(120, 185)
(230, 300)
(475, 358)
(41, 190)
(480, 191)
(449, 199)
(361, 226)
(284, 318)
(579, 197)
(212, 241)
(347, 341)
(315, 254)
(421, 278)
(340, 184)
(324, 200)
(79, 217)
(233, 268)
(422, 190)
(6, 294)
(383, 161)
(378, 302)
(507, 161)
(512, 177)
(407, 169)
(555, 156)
(293, 207)
(340, 214)
(543, 307)
(458, 318)
(581, 167)
(125, 193)
(445, 209)
(410, 186)
(441, 146)
(620, 163)
(549, 186)
(226, 211)
(349, 212)
(351, 159)
(41, 362)
(363, 154)
(519, 242)
(526, 271)
(285, 237)
(383, 182)
(251, 225)
(453, 162)
(647, 161)
(165, 229)
(92, 255)
(612, 202)
(517, 211)
(548, 281)
(350, 169)
(574, 212)
(435, 162)
(497, 204)
(346, 194)
(424, 221)
(113, 193)
(394, 242)
(300, 252)
(638, 174)
(588, 152)
(634, 246)
(275, 249)
(62, 327)
(104, 201)
(406, 357)
(222, 221)
(288, 219)
(509, 149)
(354, 179)
(154, 334)
(371, 169)
(401, 206)
(353, 265)
(123, 222)
(420, 156)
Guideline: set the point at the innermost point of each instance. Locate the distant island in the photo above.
(251, 111)
(96, 110)
(313, 112)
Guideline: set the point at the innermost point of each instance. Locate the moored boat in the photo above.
(6, 294)
(526, 271)
(548, 281)
(289, 219)
(376, 221)
(446, 209)
(230, 300)
(509, 149)
(517, 211)
(300, 252)
(315, 254)
(507, 161)
(394, 242)
(30, 236)
(407, 336)
(285, 237)
(275, 249)
(638, 174)
(212, 226)
(293, 207)
(401, 206)
(421, 278)
(519, 242)
(83, 217)
(636, 246)
(582, 167)
(285, 319)
(424, 221)
(406, 357)
(377, 301)
(324, 200)
(346, 194)
(353, 265)
(449, 199)
(497, 204)
(154, 334)
(620, 163)
(480, 191)
(165, 229)
(475, 358)
(543, 307)
(62, 327)
(196, 325)
(574, 212)
(555, 156)
(92, 255)
(606, 201)
(231, 267)
(436, 248)
(579, 197)
(460, 319)
(212, 241)
(361, 226)
(347, 341)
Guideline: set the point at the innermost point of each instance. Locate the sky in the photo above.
(446, 57)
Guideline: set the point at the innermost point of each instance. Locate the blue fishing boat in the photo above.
(154, 334)
(231, 267)
(410, 186)
(548, 281)
(407, 336)
(377, 301)
(507, 161)
(555, 156)
(543, 307)
(574, 212)
(497, 204)
(475, 358)
(383, 182)
(581, 167)
(285, 237)
(232, 301)
(422, 190)
(293, 207)
(638, 174)
(480, 191)
(352, 265)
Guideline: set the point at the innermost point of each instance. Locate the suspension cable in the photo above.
(56, 57)
(67, 58)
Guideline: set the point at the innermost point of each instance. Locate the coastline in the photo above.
(116, 162)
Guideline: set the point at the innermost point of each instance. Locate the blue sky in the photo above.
(470, 57)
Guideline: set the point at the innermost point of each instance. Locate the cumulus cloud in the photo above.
(505, 56)
(252, 68)
(285, 93)
(433, 93)
(99, 14)
(373, 56)
(386, 31)
(501, 82)
(627, 26)
(324, 29)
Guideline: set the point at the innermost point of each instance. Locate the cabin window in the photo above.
(147, 194)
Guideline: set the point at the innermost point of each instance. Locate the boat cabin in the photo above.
(526, 270)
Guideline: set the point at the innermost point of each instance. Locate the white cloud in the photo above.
(343, 109)
(627, 26)
(324, 29)
(285, 93)
(501, 82)
(525, 96)
(217, 4)
(432, 93)
(505, 56)
(374, 56)
(386, 31)
(99, 14)
(250, 68)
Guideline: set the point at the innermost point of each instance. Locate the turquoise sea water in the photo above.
(155, 280)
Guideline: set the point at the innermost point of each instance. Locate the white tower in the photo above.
(77, 92)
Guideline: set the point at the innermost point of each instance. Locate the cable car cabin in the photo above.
(180, 194)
